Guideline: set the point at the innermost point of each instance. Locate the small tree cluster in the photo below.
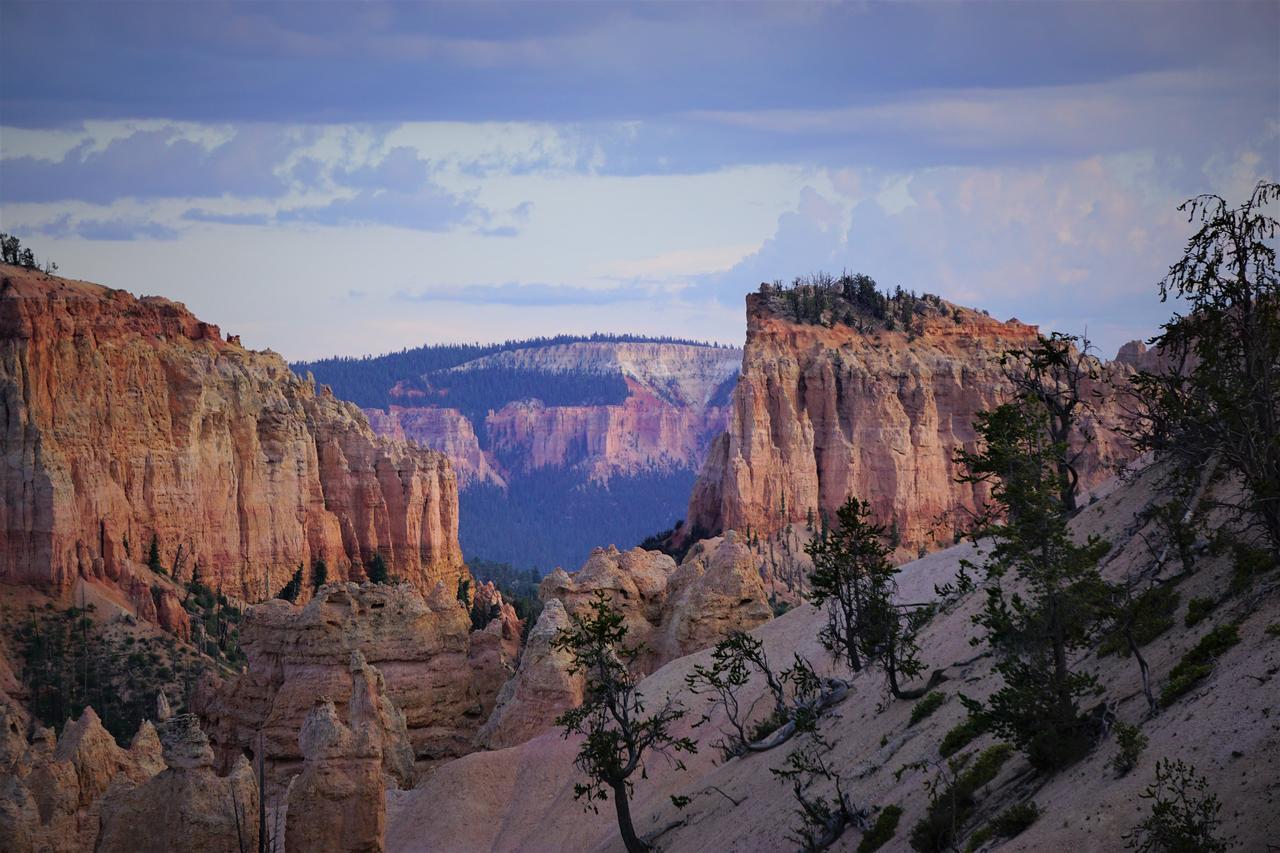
(853, 578)
(13, 252)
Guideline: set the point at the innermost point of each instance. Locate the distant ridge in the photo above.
(368, 380)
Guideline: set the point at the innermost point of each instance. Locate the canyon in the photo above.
(418, 711)
(614, 429)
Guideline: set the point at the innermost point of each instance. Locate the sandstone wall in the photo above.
(445, 430)
(438, 673)
(822, 413)
(127, 418)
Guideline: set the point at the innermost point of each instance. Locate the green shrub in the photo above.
(1249, 563)
(1012, 821)
(926, 706)
(1273, 630)
(961, 736)
(1153, 615)
(1197, 663)
(1198, 609)
(1015, 819)
(1184, 818)
(951, 805)
(1130, 742)
(885, 826)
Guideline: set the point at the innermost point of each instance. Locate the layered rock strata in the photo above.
(435, 686)
(127, 420)
(445, 430)
(824, 411)
(674, 408)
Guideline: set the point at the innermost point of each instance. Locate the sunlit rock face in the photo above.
(127, 419)
(822, 412)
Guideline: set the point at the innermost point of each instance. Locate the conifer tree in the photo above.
(153, 556)
(853, 577)
(376, 569)
(1034, 631)
(618, 734)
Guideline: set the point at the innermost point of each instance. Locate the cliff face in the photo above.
(445, 430)
(673, 408)
(644, 433)
(823, 413)
(126, 419)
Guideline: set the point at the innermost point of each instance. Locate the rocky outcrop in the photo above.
(52, 791)
(128, 419)
(337, 803)
(671, 610)
(445, 430)
(716, 590)
(186, 806)
(420, 646)
(541, 689)
(823, 411)
(495, 647)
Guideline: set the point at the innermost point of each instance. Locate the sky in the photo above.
(349, 178)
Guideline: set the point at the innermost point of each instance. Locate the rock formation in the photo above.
(716, 590)
(127, 419)
(671, 610)
(495, 648)
(337, 803)
(422, 648)
(186, 806)
(52, 791)
(825, 411)
(542, 688)
(445, 430)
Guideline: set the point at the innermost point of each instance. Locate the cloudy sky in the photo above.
(352, 178)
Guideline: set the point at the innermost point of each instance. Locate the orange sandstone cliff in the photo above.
(128, 418)
(827, 410)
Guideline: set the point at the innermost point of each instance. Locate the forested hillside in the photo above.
(368, 381)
